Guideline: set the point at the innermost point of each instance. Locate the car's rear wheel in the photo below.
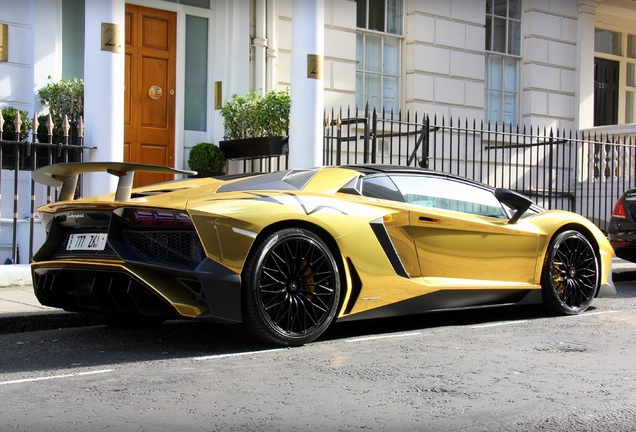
(570, 273)
(291, 288)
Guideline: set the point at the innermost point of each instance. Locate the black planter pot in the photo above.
(202, 174)
(26, 160)
(255, 147)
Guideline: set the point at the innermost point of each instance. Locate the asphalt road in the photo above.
(512, 369)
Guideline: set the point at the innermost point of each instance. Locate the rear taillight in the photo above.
(619, 210)
(157, 217)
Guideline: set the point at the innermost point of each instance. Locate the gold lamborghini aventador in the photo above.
(286, 254)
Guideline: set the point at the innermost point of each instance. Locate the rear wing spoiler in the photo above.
(65, 175)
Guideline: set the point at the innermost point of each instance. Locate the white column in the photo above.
(272, 46)
(585, 64)
(260, 46)
(103, 93)
(306, 117)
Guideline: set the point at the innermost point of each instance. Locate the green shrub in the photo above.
(8, 128)
(206, 157)
(254, 115)
(65, 97)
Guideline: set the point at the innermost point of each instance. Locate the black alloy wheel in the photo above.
(570, 274)
(291, 288)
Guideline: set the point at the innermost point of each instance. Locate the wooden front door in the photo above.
(149, 95)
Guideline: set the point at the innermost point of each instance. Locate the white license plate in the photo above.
(87, 241)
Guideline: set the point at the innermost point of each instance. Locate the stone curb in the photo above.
(47, 320)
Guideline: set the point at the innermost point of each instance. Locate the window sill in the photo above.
(619, 129)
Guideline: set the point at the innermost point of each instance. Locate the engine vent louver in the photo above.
(180, 249)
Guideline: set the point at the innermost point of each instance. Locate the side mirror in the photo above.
(515, 201)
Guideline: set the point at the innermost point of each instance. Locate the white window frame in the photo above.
(363, 73)
(623, 60)
(507, 88)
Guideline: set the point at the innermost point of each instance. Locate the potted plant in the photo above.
(207, 160)
(65, 97)
(256, 125)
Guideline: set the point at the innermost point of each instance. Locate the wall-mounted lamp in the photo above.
(4, 42)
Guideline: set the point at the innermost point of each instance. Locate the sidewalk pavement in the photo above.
(20, 310)
(16, 291)
(17, 297)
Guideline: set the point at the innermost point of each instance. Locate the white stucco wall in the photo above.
(27, 69)
(339, 54)
(548, 73)
(17, 74)
(443, 58)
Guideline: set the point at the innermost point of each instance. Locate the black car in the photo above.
(622, 226)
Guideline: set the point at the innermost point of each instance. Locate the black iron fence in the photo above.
(18, 158)
(570, 170)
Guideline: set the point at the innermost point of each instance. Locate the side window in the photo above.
(449, 195)
(381, 187)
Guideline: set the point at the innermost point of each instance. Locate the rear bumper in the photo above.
(211, 292)
(622, 236)
(98, 291)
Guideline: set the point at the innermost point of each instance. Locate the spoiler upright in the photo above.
(66, 175)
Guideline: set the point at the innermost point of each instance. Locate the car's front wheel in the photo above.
(570, 273)
(291, 288)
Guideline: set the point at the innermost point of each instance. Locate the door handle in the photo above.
(155, 92)
(429, 219)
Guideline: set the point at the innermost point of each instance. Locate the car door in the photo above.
(462, 235)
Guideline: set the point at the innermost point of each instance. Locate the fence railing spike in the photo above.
(17, 123)
(65, 127)
(49, 128)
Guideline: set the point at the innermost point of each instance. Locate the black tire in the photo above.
(570, 274)
(291, 288)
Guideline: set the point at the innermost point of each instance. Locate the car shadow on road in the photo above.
(431, 320)
(624, 276)
(98, 345)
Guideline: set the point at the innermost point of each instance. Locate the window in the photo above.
(381, 187)
(196, 72)
(73, 39)
(449, 195)
(434, 192)
(196, 3)
(503, 49)
(378, 53)
(614, 77)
